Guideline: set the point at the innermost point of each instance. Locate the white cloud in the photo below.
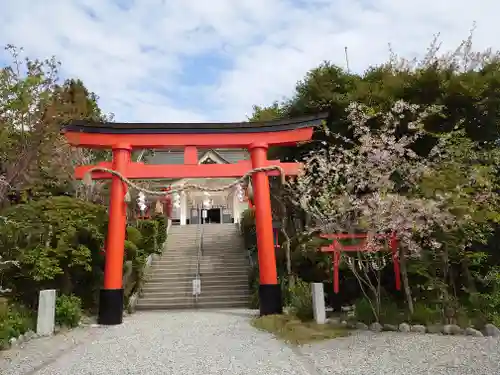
(138, 55)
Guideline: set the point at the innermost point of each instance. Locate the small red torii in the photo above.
(336, 247)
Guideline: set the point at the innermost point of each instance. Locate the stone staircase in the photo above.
(223, 268)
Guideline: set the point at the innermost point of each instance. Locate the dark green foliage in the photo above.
(58, 243)
(247, 228)
(134, 236)
(162, 229)
(145, 239)
(364, 311)
(131, 250)
(390, 312)
(68, 310)
(301, 300)
(14, 321)
(149, 232)
(425, 314)
(253, 280)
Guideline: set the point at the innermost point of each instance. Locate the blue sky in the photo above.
(197, 60)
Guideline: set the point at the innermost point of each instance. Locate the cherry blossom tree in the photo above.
(369, 184)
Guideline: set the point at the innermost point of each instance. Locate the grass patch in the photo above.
(293, 331)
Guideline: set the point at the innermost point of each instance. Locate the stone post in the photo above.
(46, 312)
(318, 299)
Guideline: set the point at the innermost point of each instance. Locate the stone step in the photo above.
(188, 299)
(182, 247)
(220, 251)
(208, 272)
(222, 268)
(188, 286)
(205, 258)
(155, 274)
(180, 305)
(223, 253)
(231, 278)
(222, 239)
(208, 282)
(209, 293)
(219, 279)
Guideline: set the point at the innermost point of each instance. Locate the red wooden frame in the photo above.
(159, 141)
(335, 248)
(122, 139)
(135, 170)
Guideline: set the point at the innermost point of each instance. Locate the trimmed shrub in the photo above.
(162, 230)
(363, 311)
(424, 314)
(134, 236)
(131, 250)
(68, 310)
(149, 232)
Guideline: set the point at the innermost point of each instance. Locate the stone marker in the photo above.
(318, 297)
(46, 312)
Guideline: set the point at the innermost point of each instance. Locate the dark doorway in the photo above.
(213, 216)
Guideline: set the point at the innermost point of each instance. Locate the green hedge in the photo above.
(14, 321)
(146, 238)
(58, 242)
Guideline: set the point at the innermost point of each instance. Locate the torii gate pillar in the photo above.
(111, 296)
(269, 288)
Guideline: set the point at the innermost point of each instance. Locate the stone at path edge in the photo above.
(361, 326)
(418, 328)
(404, 327)
(452, 329)
(473, 332)
(376, 327)
(491, 330)
(390, 327)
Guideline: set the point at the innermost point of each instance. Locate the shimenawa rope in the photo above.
(87, 180)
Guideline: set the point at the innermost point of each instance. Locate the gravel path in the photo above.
(211, 342)
(367, 353)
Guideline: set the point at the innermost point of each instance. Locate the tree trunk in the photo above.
(471, 285)
(67, 284)
(406, 282)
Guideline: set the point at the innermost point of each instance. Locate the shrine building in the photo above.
(192, 206)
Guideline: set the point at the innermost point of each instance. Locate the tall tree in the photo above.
(34, 158)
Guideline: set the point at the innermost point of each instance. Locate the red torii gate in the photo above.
(122, 138)
(335, 248)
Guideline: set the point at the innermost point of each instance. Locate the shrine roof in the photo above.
(195, 128)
